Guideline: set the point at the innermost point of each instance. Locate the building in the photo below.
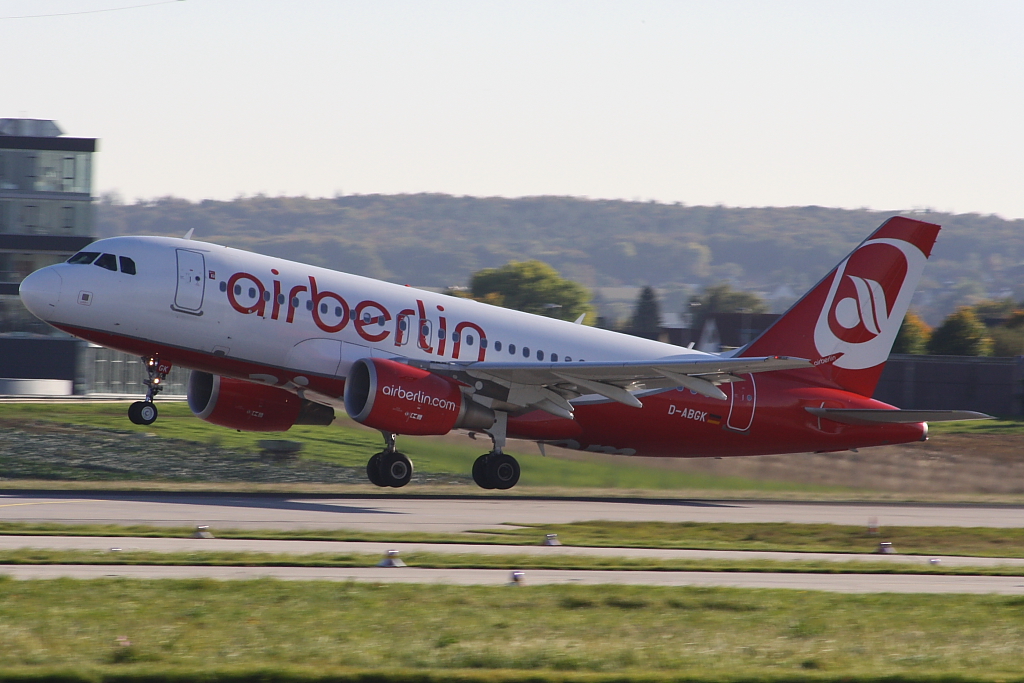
(46, 209)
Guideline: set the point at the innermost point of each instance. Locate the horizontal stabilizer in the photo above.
(855, 416)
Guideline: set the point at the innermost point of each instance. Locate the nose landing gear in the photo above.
(389, 468)
(145, 412)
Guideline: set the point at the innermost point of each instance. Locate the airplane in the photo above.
(274, 343)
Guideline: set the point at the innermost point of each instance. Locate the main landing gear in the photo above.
(145, 412)
(389, 467)
(496, 470)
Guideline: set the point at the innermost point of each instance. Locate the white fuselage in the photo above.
(294, 319)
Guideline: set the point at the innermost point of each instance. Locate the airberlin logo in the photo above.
(867, 299)
(331, 312)
(419, 397)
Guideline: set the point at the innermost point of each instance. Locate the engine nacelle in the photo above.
(398, 398)
(251, 407)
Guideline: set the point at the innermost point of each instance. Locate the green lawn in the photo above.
(346, 443)
(428, 560)
(785, 537)
(117, 627)
(1008, 426)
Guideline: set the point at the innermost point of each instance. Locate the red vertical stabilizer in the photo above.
(847, 323)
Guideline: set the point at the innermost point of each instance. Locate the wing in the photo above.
(550, 386)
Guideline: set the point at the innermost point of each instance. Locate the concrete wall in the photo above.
(989, 385)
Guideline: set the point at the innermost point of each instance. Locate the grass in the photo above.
(1003, 426)
(120, 626)
(348, 444)
(768, 536)
(427, 560)
(819, 538)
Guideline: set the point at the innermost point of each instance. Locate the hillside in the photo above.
(439, 240)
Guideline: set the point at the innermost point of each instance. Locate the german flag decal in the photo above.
(714, 419)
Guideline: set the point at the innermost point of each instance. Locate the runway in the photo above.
(835, 583)
(399, 513)
(396, 513)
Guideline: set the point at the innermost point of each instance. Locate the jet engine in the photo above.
(397, 398)
(251, 407)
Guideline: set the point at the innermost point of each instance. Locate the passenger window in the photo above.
(127, 265)
(108, 261)
(526, 352)
(540, 355)
(512, 349)
(554, 358)
(568, 360)
(223, 286)
(497, 346)
(84, 257)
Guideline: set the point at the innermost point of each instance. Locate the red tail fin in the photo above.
(847, 323)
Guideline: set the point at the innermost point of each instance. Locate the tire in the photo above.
(395, 470)
(147, 413)
(133, 413)
(480, 472)
(373, 471)
(503, 471)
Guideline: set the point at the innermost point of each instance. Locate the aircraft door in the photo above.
(742, 403)
(188, 297)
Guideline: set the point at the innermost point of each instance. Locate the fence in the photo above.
(103, 371)
(988, 385)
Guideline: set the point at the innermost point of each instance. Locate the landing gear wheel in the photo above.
(395, 469)
(142, 413)
(373, 471)
(480, 472)
(503, 471)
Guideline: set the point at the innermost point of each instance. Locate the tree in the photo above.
(646, 321)
(531, 286)
(994, 310)
(960, 334)
(1007, 341)
(913, 335)
(722, 298)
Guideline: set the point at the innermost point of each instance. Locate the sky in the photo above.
(878, 104)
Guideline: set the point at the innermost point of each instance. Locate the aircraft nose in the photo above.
(40, 291)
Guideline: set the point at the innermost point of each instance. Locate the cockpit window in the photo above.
(108, 261)
(84, 257)
(127, 265)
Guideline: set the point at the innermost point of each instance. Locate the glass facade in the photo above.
(46, 209)
(45, 217)
(27, 170)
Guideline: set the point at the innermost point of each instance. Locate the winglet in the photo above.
(188, 235)
(579, 320)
